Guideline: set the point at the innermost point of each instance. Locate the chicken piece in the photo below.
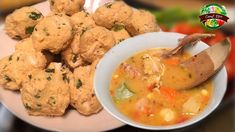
(53, 33)
(83, 96)
(112, 13)
(119, 33)
(69, 7)
(132, 71)
(144, 106)
(152, 66)
(153, 70)
(142, 22)
(46, 92)
(20, 24)
(95, 43)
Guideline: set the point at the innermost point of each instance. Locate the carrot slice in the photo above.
(182, 119)
(170, 93)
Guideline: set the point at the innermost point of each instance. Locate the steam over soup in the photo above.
(145, 89)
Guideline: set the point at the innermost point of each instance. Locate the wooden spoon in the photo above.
(187, 40)
(206, 63)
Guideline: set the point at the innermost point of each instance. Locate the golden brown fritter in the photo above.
(95, 43)
(14, 68)
(69, 7)
(112, 13)
(53, 33)
(82, 92)
(20, 24)
(142, 22)
(46, 92)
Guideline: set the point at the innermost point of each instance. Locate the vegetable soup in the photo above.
(144, 88)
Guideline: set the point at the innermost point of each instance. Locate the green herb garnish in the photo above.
(7, 78)
(52, 101)
(123, 92)
(65, 78)
(27, 106)
(49, 78)
(29, 30)
(117, 27)
(74, 58)
(108, 5)
(35, 15)
(50, 70)
(120, 40)
(79, 83)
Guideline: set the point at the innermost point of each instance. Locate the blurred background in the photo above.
(172, 16)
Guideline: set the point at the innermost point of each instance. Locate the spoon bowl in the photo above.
(206, 63)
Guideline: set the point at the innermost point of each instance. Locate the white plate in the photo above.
(129, 47)
(71, 121)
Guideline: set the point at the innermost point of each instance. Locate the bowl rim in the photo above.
(203, 114)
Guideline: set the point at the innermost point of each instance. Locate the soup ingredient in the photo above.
(181, 77)
(152, 66)
(193, 104)
(13, 69)
(112, 13)
(20, 24)
(82, 92)
(53, 33)
(131, 71)
(167, 114)
(119, 33)
(123, 92)
(95, 43)
(145, 88)
(69, 7)
(45, 92)
(141, 22)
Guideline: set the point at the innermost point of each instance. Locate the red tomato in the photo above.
(187, 28)
(220, 22)
(230, 63)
